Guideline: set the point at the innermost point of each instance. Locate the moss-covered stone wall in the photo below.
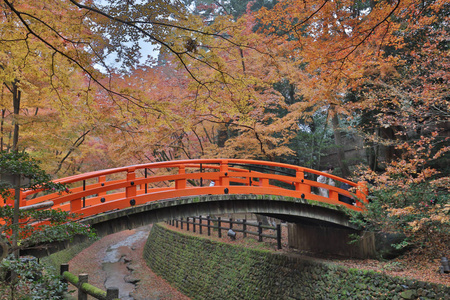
(205, 269)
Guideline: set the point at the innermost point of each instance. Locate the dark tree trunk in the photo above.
(16, 104)
(340, 147)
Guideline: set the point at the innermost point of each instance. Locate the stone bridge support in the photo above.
(333, 240)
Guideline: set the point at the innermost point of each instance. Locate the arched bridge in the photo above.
(159, 191)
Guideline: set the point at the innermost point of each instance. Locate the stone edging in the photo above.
(205, 269)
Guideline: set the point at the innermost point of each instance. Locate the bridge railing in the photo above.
(100, 191)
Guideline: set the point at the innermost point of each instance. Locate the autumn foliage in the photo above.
(252, 79)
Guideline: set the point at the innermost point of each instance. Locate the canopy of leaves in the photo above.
(259, 79)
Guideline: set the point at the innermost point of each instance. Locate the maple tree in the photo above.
(382, 65)
(233, 95)
(39, 87)
(247, 79)
(96, 30)
(89, 33)
(47, 67)
(387, 60)
(136, 135)
(74, 40)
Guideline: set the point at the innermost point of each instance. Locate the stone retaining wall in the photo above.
(205, 269)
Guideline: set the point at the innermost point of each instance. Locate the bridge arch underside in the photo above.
(290, 209)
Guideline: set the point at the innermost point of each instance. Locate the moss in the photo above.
(73, 279)
(93, 291)
(55, 260)
(206, 269)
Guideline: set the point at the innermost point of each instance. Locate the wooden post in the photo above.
(193, 224)
(112, 293)
(279, 236)
(63, 268)
(181, 223)
(82, 278)
(259, 232)
(231, 223)
(200, 224)
(219, 224)
(208, 221)
(187, 223)
(244, 227)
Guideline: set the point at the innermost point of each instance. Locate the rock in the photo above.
(131, 279)
(408, 294)
(130, 268)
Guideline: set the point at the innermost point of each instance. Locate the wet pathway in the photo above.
(117, 265)
(116, 261)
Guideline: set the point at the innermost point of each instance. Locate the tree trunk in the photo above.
(2, 120)
(222, 135)
(373, 153)
(340, 147)
(1, 128)
(16, 104)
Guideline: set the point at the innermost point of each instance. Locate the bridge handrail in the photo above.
(230, 176)
(195, 162)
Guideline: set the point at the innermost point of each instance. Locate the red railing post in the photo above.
(333, 195)
(131, 189)
(300, 186)
(75, 205)
(263, 181)
(181, 183)
(224, 180)
(102, 180)
(22, 199)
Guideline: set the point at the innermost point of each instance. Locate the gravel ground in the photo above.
(116, 260)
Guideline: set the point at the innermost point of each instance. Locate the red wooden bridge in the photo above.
(98, 192)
